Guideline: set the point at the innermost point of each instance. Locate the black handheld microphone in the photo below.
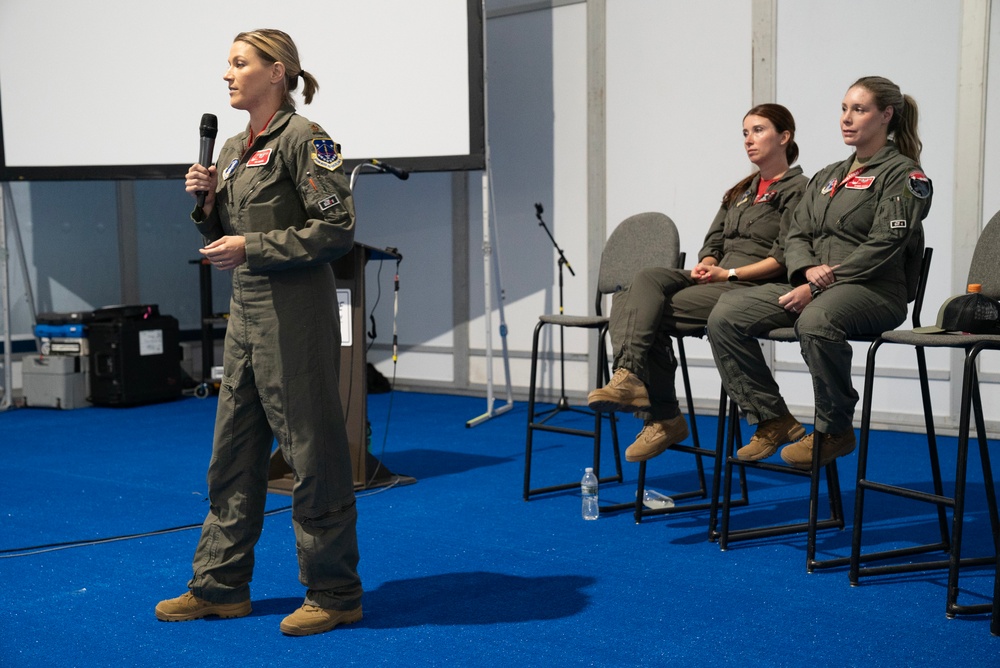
(209, 128)
(386, 168)
(538, 209)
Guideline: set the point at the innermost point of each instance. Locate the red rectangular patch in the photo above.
(259, 158)
(860, 182)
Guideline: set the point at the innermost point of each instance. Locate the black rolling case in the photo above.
(134, 356)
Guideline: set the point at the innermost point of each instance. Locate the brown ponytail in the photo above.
(275, 46)
(903, 126)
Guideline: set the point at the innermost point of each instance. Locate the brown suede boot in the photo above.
(771, 435)
(800, 455)
(624, 392)
(655, 437)
(310, 619)
(188, 606)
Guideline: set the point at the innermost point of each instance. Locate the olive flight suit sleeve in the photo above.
(715, 239)
(798, 245)
(870, 235)
(211, 226)
(324, 208)
(898, 218)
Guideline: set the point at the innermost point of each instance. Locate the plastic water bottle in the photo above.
(655, 500)
(588, 487)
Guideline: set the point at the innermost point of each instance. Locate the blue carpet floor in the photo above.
(458, 569)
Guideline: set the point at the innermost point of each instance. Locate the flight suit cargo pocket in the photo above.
(893, 220)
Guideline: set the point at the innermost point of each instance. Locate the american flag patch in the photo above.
(325, 204)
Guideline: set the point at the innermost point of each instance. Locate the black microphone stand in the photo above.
(563, 403)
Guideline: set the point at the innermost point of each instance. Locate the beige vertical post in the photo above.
(597, 176)
(970, 138)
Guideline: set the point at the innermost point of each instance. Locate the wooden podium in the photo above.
(367, 470)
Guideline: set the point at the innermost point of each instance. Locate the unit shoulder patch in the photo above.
(326, 154)
(918, 184)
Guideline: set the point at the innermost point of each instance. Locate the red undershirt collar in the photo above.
(764, 185)
(252, 137)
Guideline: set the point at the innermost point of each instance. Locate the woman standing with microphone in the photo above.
(278, 210)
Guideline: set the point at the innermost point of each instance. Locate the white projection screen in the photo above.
(115, 89)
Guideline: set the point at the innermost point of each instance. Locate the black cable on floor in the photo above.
(55, 547)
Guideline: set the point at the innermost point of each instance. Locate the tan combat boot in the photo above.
(188, 606)
(800, 455)
(655, 437)
(310, 619)
(624, 392)
(771, 435)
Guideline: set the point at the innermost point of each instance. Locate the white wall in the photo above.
(991, 175)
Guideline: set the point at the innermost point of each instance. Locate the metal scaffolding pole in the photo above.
(9, 222)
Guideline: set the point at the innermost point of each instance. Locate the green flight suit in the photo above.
(287, 195)
(871, 225)
(659, 299)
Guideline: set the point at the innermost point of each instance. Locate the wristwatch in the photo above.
(814, 289)
(732, 276)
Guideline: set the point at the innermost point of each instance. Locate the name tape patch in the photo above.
(260, 158)
(766, 197)
(860, 183)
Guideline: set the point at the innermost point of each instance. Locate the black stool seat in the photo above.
(644, 240)
(836, 518)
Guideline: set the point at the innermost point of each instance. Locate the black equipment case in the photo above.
(134, 356)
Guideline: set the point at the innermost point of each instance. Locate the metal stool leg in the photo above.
(637, 508)
(537, 423)
(810, 526)
(531, 411)
(971, 403)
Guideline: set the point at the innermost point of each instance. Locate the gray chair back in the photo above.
(644, 240)
(985, 267)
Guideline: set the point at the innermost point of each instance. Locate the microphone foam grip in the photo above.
(209, 126)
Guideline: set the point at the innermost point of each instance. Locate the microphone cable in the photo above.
(392, 382)
(14, 552)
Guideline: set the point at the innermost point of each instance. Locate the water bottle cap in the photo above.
(589, 469)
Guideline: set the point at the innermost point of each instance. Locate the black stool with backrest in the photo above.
(995, 618)
(679, 333)
(984, 270)
(813, 524)
(643, 240)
